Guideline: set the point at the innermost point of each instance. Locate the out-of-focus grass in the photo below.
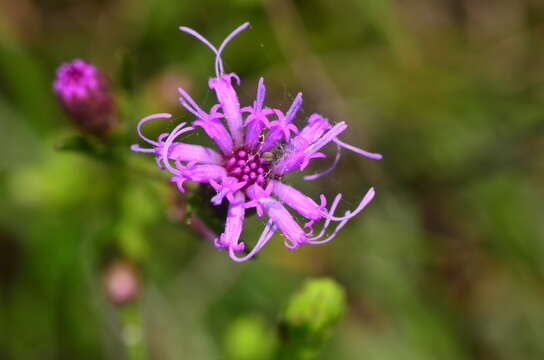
(445, 263)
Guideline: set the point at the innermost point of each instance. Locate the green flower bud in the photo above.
(312, 312)
(249, 338)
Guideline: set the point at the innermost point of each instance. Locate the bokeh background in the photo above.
(446, 263)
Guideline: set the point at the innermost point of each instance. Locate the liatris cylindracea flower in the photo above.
(258, 146)
(85, 95)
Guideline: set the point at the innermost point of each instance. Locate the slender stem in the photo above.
(133, 331)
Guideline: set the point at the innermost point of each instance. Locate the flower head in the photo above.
(258, 146)
(85, 95)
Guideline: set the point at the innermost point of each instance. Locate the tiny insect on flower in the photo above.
(268, 157)
(257, 147)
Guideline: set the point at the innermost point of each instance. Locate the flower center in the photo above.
(75, 74)
(246, 166)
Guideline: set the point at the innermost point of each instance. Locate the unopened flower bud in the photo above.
(85, 94)
(121, 282)
(248, 338)
(313, 311)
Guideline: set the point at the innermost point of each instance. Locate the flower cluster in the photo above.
(257, 147)
(85, 95)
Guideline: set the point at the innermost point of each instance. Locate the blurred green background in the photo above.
(446, 263)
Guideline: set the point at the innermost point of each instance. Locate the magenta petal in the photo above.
(217, 132)
(282, 127)
(227, 188)
(234, 224)
(293, 109)
(203, 173)
(231, 107)
(259, 100)
(294, 156)
(284, 221)
(329, 136)
(317, 125)
(300, 151)
(253, 133)
(194, 153)
(304, 205)
(256, 122)
(272, 139)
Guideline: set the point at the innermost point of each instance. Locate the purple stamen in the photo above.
(148, 118)
(357, 150)
(325, 172)
(218, 62)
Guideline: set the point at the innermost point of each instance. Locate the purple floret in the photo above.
(247, 170)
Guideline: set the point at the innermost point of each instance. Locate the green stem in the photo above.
(133, 331)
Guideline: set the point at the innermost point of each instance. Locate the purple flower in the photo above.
(257, 147)
(85, 95)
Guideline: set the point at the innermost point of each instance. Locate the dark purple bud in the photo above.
(85, 94)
